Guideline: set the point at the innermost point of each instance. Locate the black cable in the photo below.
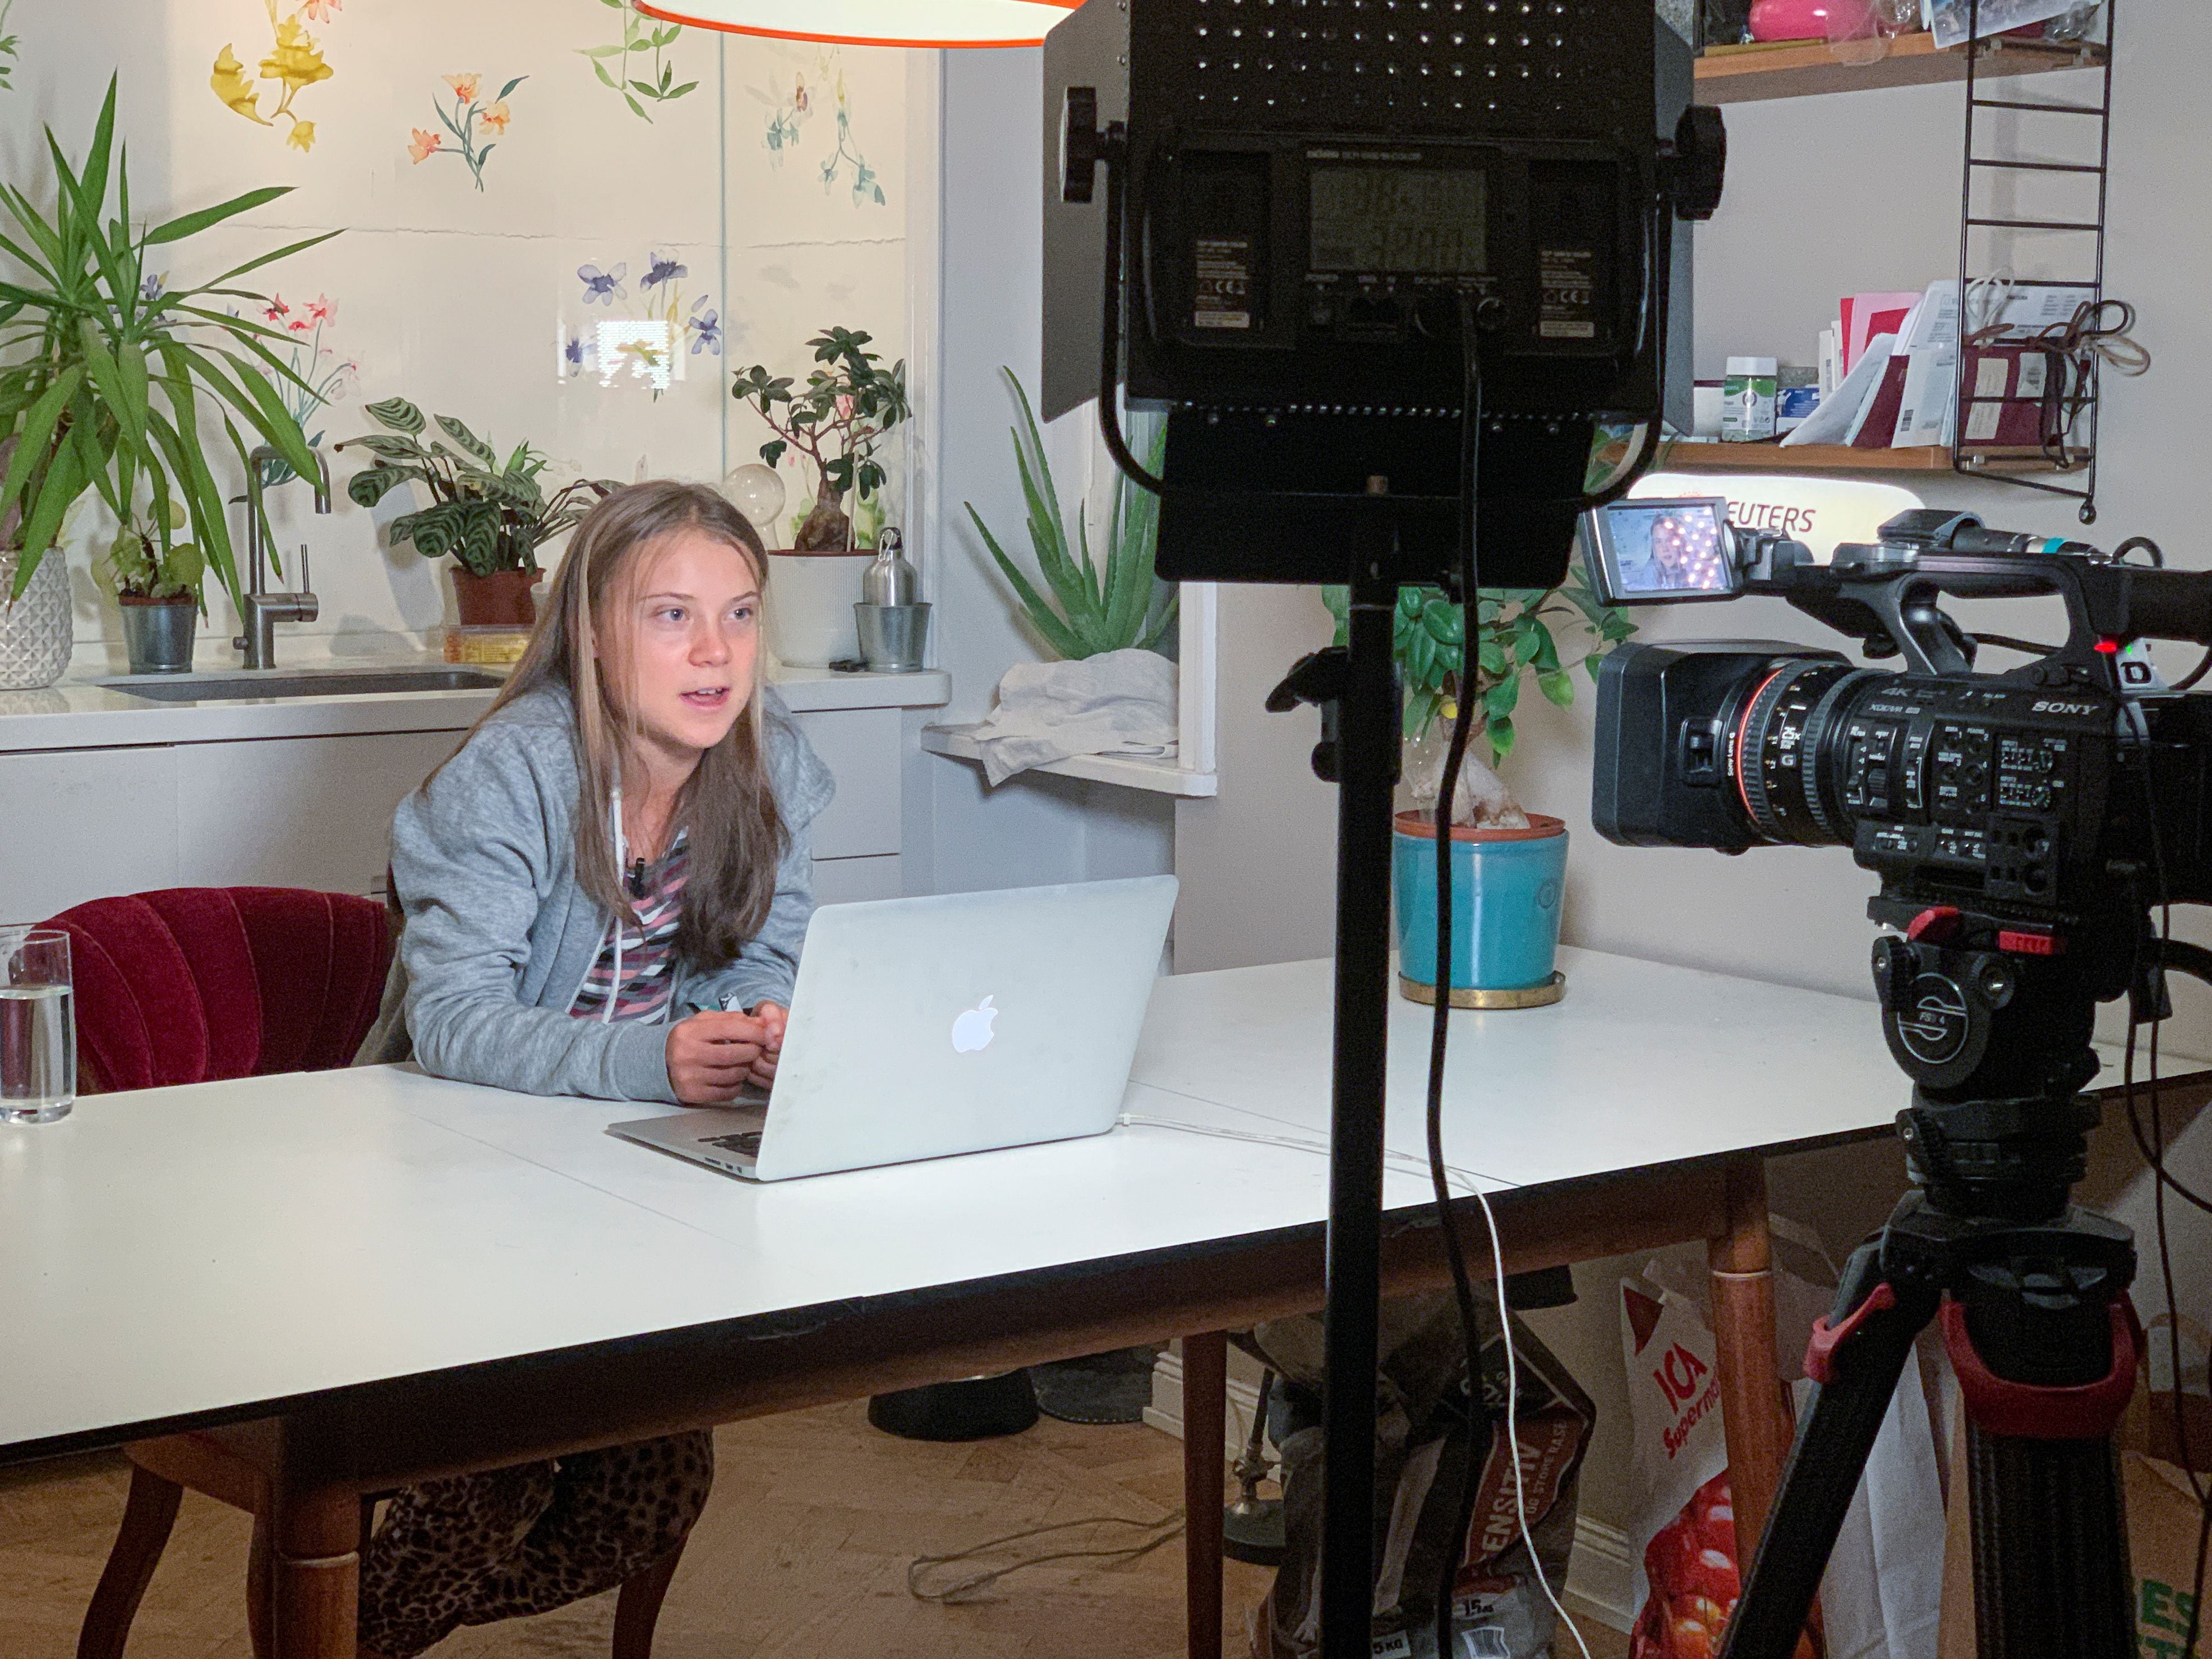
(2165, 944)
(2203, 666)
(1470, 661)
(1110, 330)
(2008, 642)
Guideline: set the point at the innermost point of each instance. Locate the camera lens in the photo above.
(1781, 740)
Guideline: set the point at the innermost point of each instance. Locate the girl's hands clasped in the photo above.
(713, 1056)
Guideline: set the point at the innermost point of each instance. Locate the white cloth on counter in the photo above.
(1119, 702)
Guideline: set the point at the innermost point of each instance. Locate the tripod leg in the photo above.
(2050, 1549)
(1857, 1356)
(2049, 1531)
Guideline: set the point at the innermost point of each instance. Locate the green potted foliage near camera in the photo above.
(1509, 867)
(107, 375)
(837, 422)
(490, 516)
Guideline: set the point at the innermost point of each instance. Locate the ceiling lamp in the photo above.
(872, 23)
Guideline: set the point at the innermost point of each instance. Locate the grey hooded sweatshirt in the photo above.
(499, 935)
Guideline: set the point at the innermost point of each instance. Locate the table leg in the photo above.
(1205, 1407)
(314, 1573)
(1753, 1412)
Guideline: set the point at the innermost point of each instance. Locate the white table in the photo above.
(410, 1277)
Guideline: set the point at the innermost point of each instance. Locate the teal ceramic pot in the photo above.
(1506, 888)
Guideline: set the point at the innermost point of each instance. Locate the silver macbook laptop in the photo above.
(960, 1022)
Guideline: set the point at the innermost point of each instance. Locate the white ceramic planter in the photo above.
(35, 631)
(811, 598)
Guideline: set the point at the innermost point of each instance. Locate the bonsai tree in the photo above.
(849, 405)
(490, 514)
(108, 373)
(1094, 609)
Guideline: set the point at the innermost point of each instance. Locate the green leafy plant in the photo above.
(110, 374)
(491, 515)
(1099, 608)
(838, 423)
(140, 568)
(1516, 642)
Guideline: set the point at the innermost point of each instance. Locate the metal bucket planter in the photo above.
(158, 634)
(35, 633)
(1506, 888)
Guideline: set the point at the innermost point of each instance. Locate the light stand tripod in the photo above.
(2031, 1293)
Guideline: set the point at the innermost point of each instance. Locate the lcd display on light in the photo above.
(1413, 221)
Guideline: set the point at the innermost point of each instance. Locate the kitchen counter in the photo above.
(79, 713)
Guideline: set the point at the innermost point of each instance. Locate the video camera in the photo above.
(2031, 815)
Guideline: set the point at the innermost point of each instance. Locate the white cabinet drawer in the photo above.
(847, 881)
(861, 746)
(84, 823)
(298, 811)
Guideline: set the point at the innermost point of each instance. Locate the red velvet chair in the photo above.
(193, 985)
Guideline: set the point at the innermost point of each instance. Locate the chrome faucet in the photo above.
(264, 609)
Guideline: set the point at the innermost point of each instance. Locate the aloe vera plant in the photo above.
(110, 371)
(1099, 608)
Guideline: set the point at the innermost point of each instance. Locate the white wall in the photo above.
(455, 298)
(1032, 829)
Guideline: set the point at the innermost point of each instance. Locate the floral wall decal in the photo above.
(609, 337)
(319, 376)
(613, 64)
(602, 288)
(294, 63)
(789, 116)
(7, 48)
(471, 118)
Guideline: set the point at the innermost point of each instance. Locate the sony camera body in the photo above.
(2045, 807)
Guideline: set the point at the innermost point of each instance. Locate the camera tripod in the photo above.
(1992, 1021)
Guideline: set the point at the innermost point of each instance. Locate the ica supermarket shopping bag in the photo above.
(1682, 1526)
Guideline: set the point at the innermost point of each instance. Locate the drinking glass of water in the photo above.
(38, 1026)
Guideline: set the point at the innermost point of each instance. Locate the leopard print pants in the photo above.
(482, 1547)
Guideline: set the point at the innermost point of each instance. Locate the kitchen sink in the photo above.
(302, 683)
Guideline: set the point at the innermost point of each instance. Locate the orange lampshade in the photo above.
(872, 23)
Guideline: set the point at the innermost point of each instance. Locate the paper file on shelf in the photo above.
(1931, 390)
(1838, 420)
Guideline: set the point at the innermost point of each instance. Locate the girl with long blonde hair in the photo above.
(605, 893)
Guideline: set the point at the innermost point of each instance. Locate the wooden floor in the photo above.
(803, 1552)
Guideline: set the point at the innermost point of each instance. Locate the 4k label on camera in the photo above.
(1568, 306)
(1223, 293)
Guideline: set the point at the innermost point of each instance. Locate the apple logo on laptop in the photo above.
(972, 1030)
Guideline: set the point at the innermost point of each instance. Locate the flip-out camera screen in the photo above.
(1643, 552)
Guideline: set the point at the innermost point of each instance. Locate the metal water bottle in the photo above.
(889, 580)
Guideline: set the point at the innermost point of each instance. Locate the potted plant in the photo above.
(1509, 867)
(158, 588)
(1094, 608)
(491, 515)
(838, 421)
(109, 374)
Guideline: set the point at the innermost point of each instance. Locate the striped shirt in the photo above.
(648, 950)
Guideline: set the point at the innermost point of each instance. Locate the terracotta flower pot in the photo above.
(502, 599)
